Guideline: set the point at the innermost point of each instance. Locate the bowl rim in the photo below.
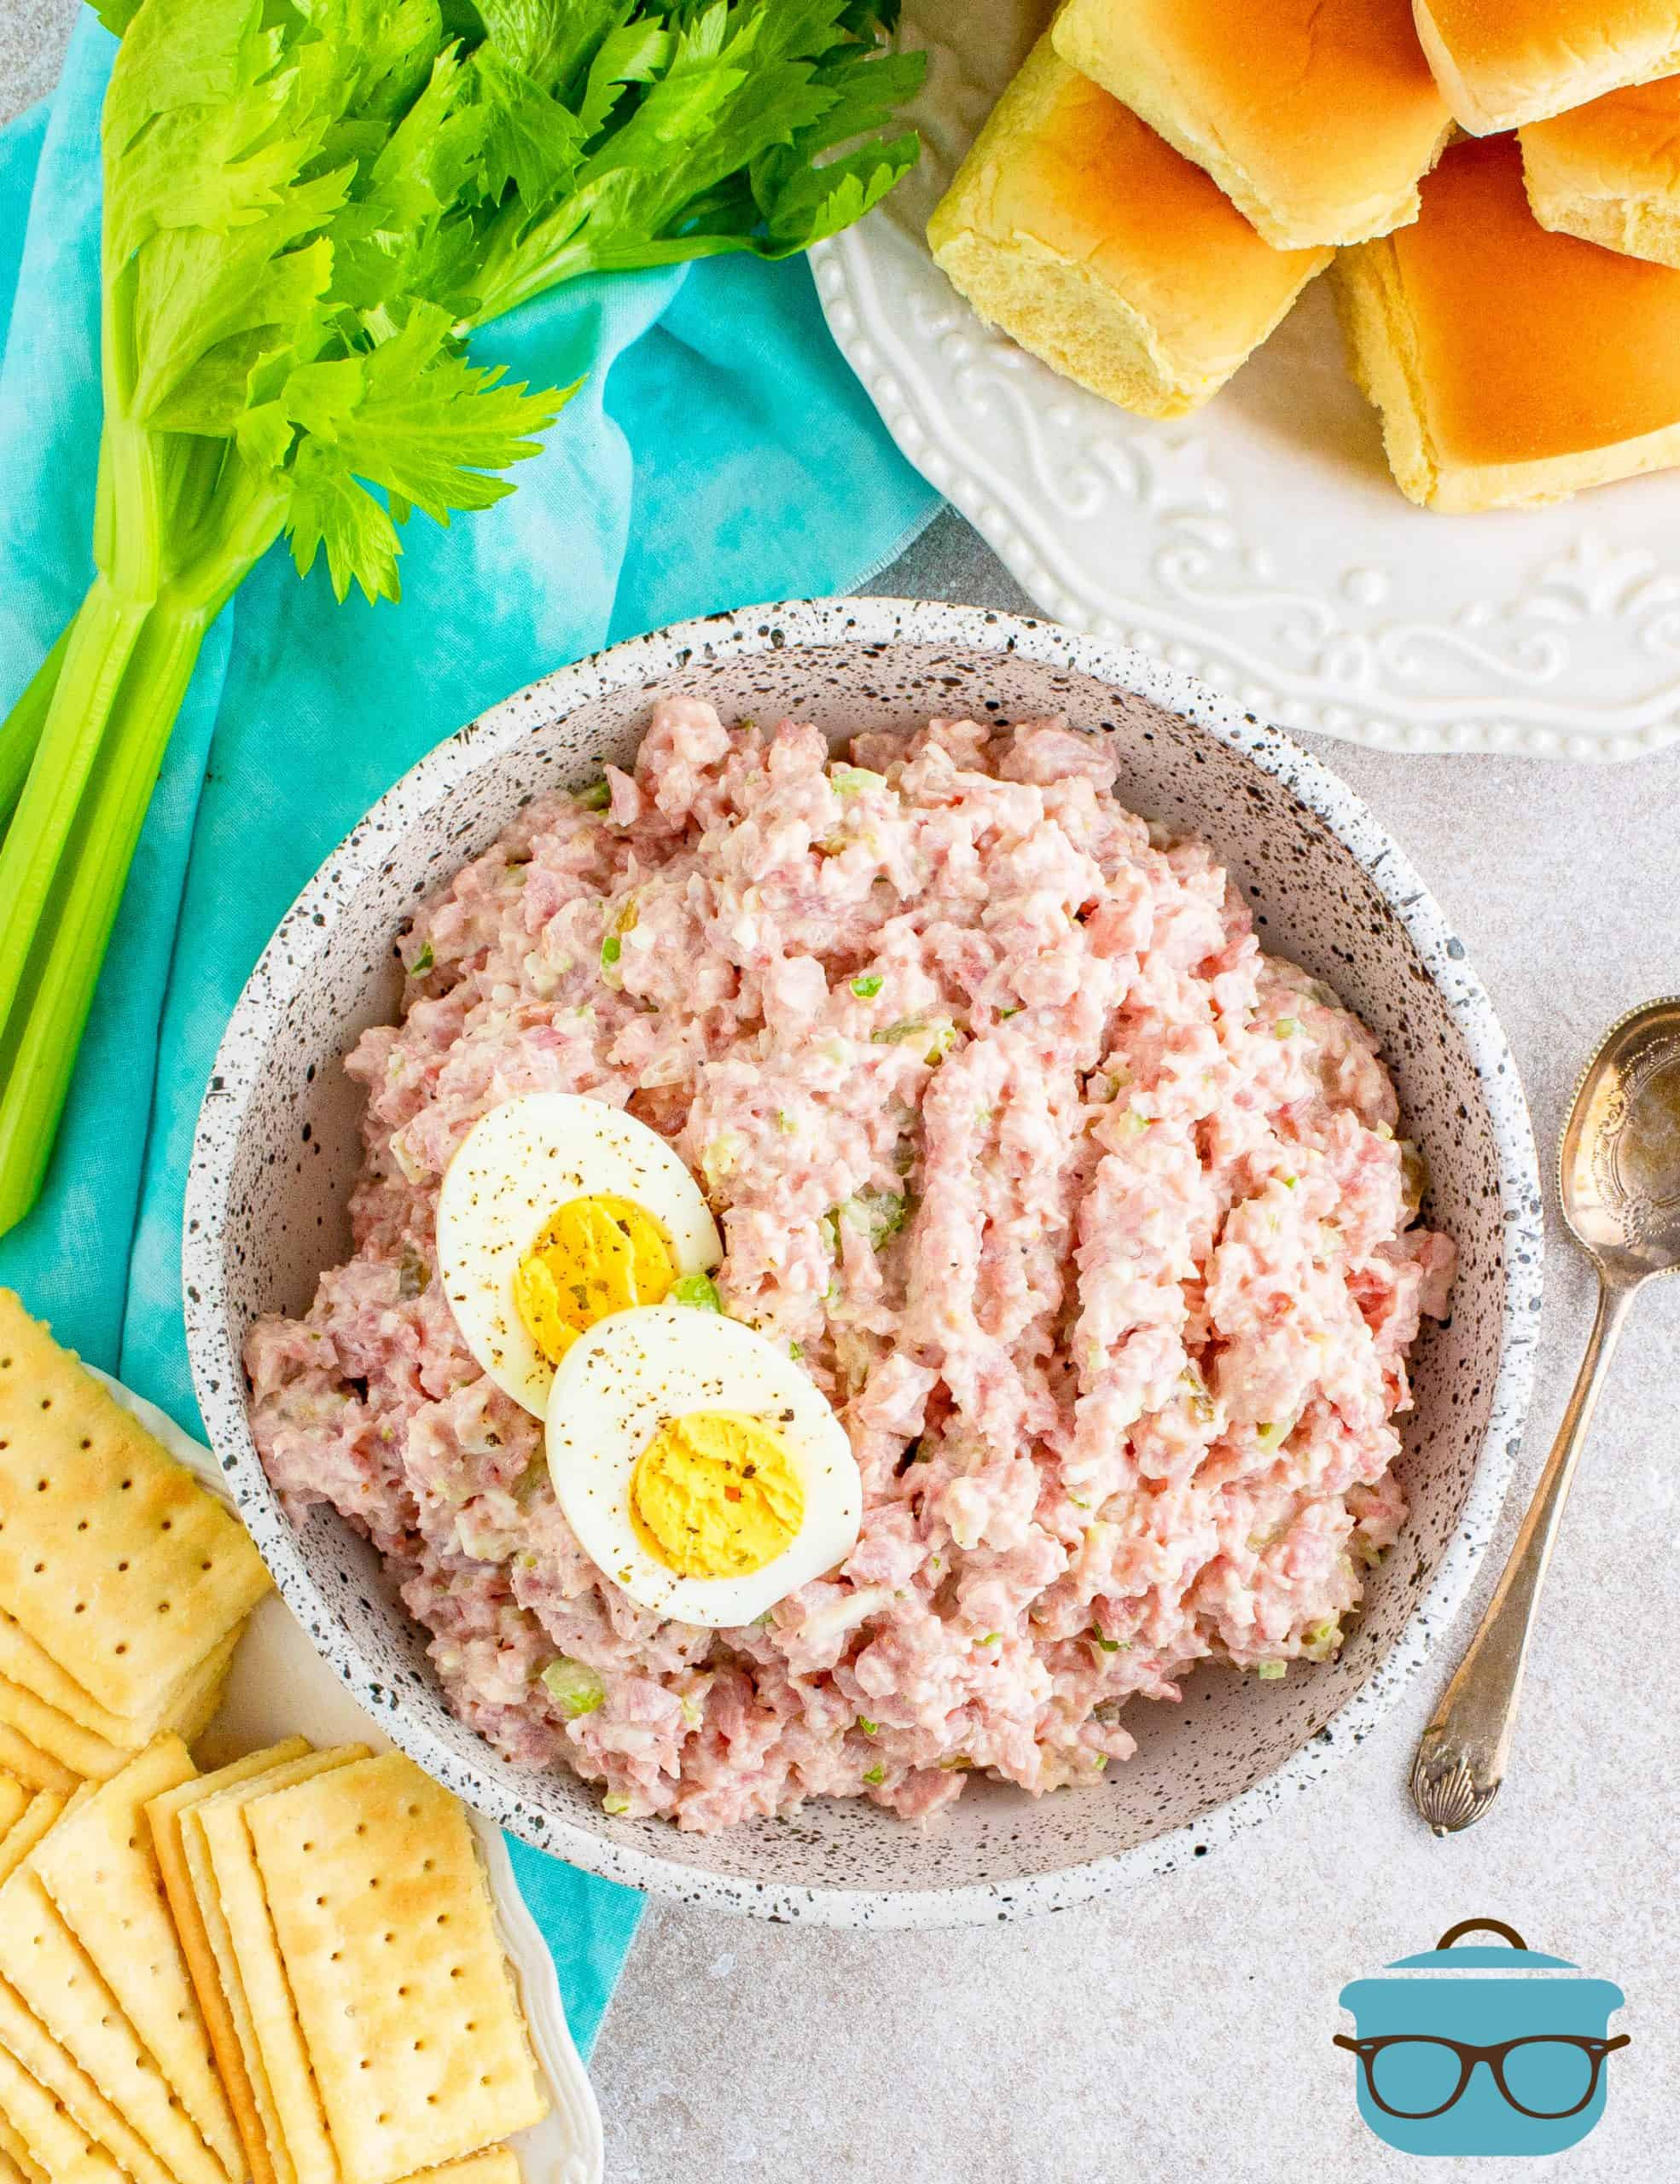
(306, 933)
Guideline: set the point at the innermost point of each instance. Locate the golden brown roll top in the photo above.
(1504, 62)
(1609, 171)
(1080, 232)
(1315, 117)
(1512, 365)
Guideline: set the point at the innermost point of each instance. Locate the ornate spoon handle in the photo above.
(1461, 1754)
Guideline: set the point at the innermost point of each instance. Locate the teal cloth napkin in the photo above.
(719, 453)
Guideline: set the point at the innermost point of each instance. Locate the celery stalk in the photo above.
(300, 203)
(66, 855)
(51, 963)
(20, 730)
(103, 637)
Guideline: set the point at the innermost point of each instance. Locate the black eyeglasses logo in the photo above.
(1398, 2071)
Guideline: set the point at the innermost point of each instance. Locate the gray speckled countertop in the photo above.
(32, 35)
(1183, 2032)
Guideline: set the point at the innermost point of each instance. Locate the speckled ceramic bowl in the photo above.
(277, 1147)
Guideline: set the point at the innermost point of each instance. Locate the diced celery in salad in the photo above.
(698, 1290)
(574, 1687)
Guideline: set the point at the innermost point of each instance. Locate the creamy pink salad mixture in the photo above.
(1089, 1217)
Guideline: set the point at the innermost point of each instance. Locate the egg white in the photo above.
(632, 1373)
(511, 1173)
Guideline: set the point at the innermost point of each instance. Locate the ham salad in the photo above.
(1090, 1220)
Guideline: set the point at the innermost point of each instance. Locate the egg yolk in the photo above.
(599, 1254)
(714, 1494)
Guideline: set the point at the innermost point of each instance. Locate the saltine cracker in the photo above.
(40, 1814)
(16, 2166)
(27, 2043)
(113, 1556)
(101, 1869)
(32, 1766)
(499, 2166)
(51, 2139)
(13, 1796)
(163, 1816)
(385, 1923)
(51, 1974)
(89, 1757)
(229, 1891)
(23, 1662)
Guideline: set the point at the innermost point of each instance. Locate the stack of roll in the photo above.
(1494, 183)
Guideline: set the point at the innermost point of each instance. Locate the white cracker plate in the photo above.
(1262, 544)
(280, 1686)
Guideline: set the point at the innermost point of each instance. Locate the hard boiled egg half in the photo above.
(554, 1212)
(699, 1468)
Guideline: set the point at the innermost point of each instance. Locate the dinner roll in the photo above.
(1315, 117)
(1504, 62)
(1610, 171)
(1511, 366)
(1074, 227)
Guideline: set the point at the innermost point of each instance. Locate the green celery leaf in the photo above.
(213, 397)
(701, 138)
(212, 145)
(195, 288)
(812, 203)
(434, 149)
(867, 88)
(870, 19)
(204, 55)
(314, 198)
(406, 228)
(631, 53)
(389, 45)
(444, 268)
(552, 45)
(791, 30)
(531, 140)
(414, 416)
(192, 171)
(328, 508)
(264, 435)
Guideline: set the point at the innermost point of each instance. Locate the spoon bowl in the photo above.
(1619, 1165)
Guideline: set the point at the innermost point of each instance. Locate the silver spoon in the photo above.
(1619, 1183)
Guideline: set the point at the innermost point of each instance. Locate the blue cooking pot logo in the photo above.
(1482, 2049)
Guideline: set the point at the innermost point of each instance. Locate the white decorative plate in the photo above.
(1262, 544)
(281, 1687)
